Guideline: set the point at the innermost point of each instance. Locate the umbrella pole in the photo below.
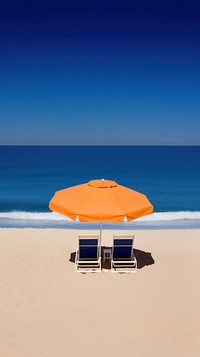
(100, 232)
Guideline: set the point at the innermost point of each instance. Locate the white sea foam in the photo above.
(170, 216)
(55, 217)
(34, 216)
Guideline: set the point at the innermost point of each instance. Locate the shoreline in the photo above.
(106, 226)
(46, 307)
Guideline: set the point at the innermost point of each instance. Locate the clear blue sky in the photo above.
(100, 72)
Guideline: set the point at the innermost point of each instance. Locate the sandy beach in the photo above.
(48, 310)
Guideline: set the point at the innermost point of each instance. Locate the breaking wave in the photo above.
(52, 216)
(51, 219)
(170, 216)
(38, 216)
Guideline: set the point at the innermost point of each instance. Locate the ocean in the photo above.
(168, 175)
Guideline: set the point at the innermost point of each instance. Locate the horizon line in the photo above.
(92, 145)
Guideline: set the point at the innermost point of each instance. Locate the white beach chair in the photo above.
(88, 254)
(123, 258)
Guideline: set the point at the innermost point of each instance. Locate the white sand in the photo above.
(48, 310)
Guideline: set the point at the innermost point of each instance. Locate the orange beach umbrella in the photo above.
(100, 201)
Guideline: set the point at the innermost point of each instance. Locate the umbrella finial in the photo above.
(101, 183)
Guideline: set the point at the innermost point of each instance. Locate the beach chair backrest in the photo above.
(122, 248)
(88, 248)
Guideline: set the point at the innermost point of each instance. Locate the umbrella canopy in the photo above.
(100, 201)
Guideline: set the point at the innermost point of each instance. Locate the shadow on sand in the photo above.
(143, 259)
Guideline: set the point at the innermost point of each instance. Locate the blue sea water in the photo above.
(168, 175)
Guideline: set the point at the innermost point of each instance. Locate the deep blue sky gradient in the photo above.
(100, 72)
